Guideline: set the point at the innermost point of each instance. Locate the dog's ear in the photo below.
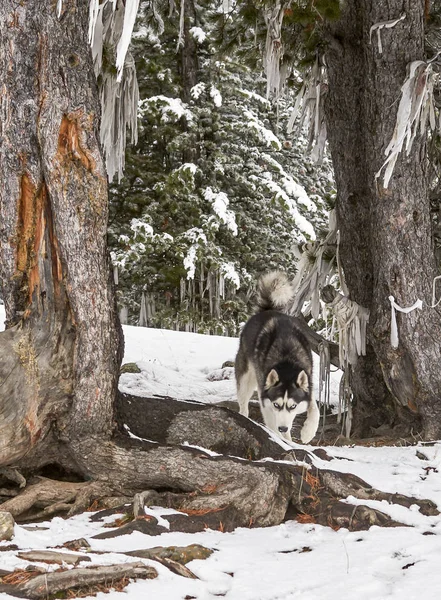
(302, 381)
(271, 379)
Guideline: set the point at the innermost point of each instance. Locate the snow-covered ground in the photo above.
(186, 365)
(292, 561)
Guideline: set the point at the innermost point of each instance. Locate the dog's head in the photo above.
(288, 397)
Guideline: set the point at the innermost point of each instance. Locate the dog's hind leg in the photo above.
(311, 423)
(246, 385)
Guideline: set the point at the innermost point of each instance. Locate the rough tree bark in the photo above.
(386, 234)
(60, 354)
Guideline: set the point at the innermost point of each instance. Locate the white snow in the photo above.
(302, 222)
(216, 96)
(292, 561)
(172, 108)
(220, 204)
(266, 135)
(197, 90)
(190, 167)
(198, 34)
(229, 272)
(199, 239)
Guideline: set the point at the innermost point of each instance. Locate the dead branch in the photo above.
(51, 556)
(47, 584)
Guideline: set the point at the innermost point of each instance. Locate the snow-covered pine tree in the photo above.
(215, 192)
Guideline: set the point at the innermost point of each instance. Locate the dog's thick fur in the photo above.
(275, 359)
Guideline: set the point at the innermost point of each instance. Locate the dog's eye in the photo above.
(292, 407)
(277, 406)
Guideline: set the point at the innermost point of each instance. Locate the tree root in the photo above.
(221, 492)
(47, 584)
(44, 498)
(347, 484)
(13, 475)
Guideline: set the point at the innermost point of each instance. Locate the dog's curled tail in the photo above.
(274, 291)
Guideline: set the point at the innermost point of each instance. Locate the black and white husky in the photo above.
(275, 359)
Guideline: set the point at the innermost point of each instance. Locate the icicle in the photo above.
(313, 269)
(112, 24)
(94, 10)
(201, 290)
(221, 286)
(181, 38)
(143, 313)
(311, 98)
(393, 328)
(216, 297)
(210, 292)
(130, 12)
(416, 108)
(59, 8)
(119, 102)
(352, 321)
(273, 49)
(115, 275)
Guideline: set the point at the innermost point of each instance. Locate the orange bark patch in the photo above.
(413, 407)
(34, 221)
(40, 225)
(25, 221)
(31, 227)
(69, 142)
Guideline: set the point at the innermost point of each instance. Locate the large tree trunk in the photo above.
(60, 355)
(386, 234)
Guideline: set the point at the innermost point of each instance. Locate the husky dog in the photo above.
(274, 358)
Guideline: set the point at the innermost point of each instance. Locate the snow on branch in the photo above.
(383, 25)
(416, 108)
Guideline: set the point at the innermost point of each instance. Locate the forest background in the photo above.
(219, 187)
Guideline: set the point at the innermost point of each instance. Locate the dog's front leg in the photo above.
(311, 423)
(287, 435)
(268, 416)
(246, 384)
